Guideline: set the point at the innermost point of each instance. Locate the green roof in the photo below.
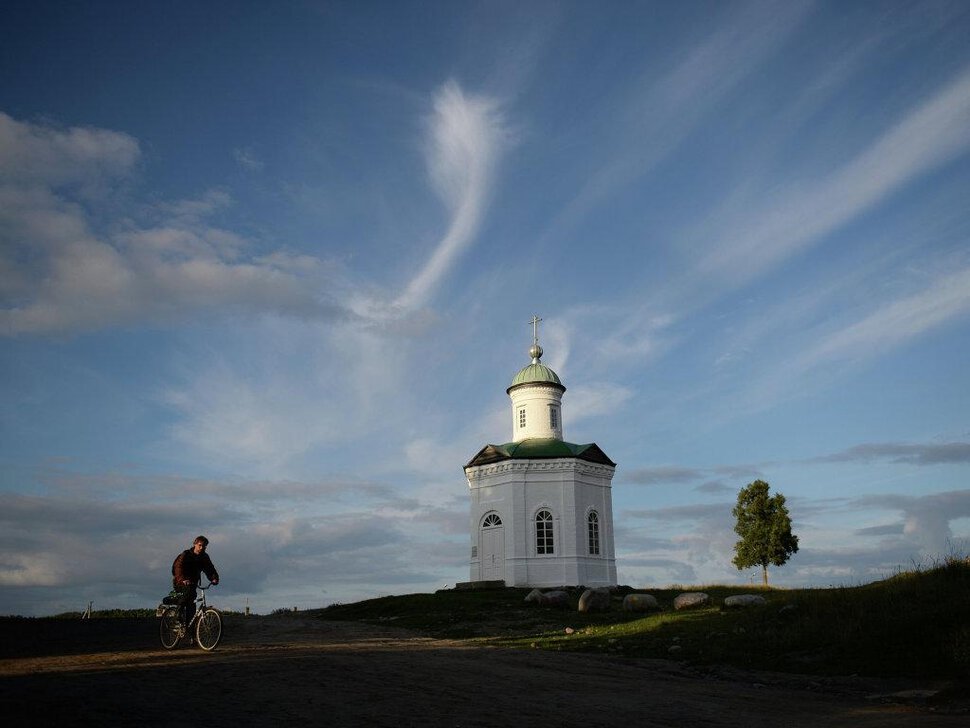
(539, 449)
(536, 373)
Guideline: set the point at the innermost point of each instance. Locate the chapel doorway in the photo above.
(493, 548)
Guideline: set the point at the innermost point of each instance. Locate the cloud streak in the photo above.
(467, 137)
(755, 232)
(946, 298)
(932, 134)
(652, 122)
(910, 453)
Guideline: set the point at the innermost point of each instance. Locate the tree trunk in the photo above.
(764, 573)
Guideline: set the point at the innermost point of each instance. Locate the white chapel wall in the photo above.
(568, 488)
(536, 401)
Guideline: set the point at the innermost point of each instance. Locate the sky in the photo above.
(267, 269)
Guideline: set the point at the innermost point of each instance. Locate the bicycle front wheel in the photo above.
(208, 629)
(169, 629)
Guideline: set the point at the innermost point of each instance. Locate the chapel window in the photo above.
(491, 520)
(593, 529)
(554, 418)
(544, 544)
(522, 417)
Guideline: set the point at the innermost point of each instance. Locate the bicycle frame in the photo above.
(200, 605)
(206, 621)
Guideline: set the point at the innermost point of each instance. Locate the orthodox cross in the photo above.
(535, 329)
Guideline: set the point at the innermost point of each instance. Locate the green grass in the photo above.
(914, 624)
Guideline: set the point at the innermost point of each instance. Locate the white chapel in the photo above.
(541, 507)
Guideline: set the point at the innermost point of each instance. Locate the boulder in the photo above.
(557, 599)
(594, 600)
(690, 600)
(640, 603)
(740, 601)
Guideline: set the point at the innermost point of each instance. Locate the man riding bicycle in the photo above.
(186, 571)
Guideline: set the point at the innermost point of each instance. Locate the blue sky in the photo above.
(266, 271)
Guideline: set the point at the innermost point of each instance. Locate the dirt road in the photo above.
(278, 670)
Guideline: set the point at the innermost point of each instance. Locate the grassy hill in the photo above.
(915, 624)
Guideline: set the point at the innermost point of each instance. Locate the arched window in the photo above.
(491, 520)
(544, 544)
(593, 528)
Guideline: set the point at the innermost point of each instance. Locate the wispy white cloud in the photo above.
(43, 154)
(824, 349)
(596, 399)
(247, 159)
(275, 389)
(761, 226)
(650, 123)
(945, 298)
(663, 475)
(768, 231)
(700, 537)
(898, 452)
(59, 274)
(467, 136)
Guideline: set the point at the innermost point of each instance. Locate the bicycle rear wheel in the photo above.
(169, 629)
(208, 629)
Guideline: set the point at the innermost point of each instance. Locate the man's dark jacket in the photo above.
(189, 565)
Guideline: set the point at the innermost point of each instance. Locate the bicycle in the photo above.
(206, 625)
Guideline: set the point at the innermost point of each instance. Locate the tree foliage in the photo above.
(764, 526)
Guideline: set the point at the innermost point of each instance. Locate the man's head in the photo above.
(198, 546)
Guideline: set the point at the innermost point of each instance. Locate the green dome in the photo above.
(536, 373)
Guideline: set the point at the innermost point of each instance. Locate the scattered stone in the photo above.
(689, 600)
(788, 610)
(595, 600)
(555, 599)
(640, 603)
(674, 649)
(740, 601)
(570, 630)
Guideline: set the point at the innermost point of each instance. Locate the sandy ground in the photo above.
(275, 670)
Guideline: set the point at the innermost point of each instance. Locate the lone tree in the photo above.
(764, 527)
